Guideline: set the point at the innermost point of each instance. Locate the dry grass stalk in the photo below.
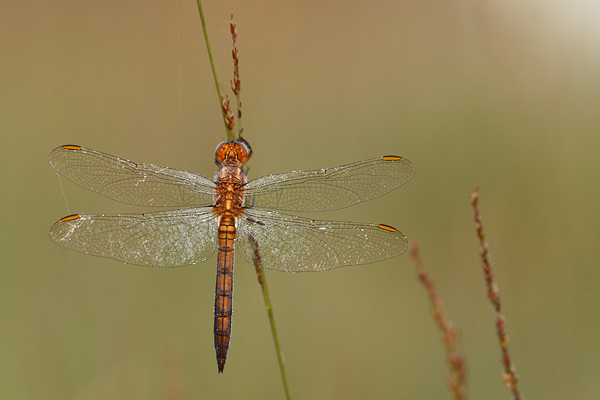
(455, 359)
(509, 374)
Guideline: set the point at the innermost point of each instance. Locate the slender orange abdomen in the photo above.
(224, 290)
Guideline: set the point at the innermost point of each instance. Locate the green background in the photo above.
(504, 95)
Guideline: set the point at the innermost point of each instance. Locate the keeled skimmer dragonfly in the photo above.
(225, 212)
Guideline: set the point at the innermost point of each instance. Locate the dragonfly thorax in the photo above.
(229, 197)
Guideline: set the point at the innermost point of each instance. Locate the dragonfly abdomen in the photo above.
(224, 288)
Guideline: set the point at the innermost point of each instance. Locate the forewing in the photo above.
(160, 239)
(329, 189)
(130, 182)
(295, 244)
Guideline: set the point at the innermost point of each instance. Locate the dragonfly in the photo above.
(228, 215)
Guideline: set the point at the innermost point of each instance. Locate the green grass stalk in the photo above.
(256, 258)
(222, 102)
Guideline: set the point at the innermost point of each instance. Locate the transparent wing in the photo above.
(160, 239)
(130, 182)
(295, 244)
(329, 189)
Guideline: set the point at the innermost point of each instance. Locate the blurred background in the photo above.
(500, 95)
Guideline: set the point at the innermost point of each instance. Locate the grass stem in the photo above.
(510, 373)
(256, 258)
(457, 375)
(214, 71)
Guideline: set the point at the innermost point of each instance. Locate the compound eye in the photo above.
(242, 153)
(220, 152)
(247, 150)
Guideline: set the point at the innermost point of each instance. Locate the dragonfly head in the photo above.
(233, 152)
